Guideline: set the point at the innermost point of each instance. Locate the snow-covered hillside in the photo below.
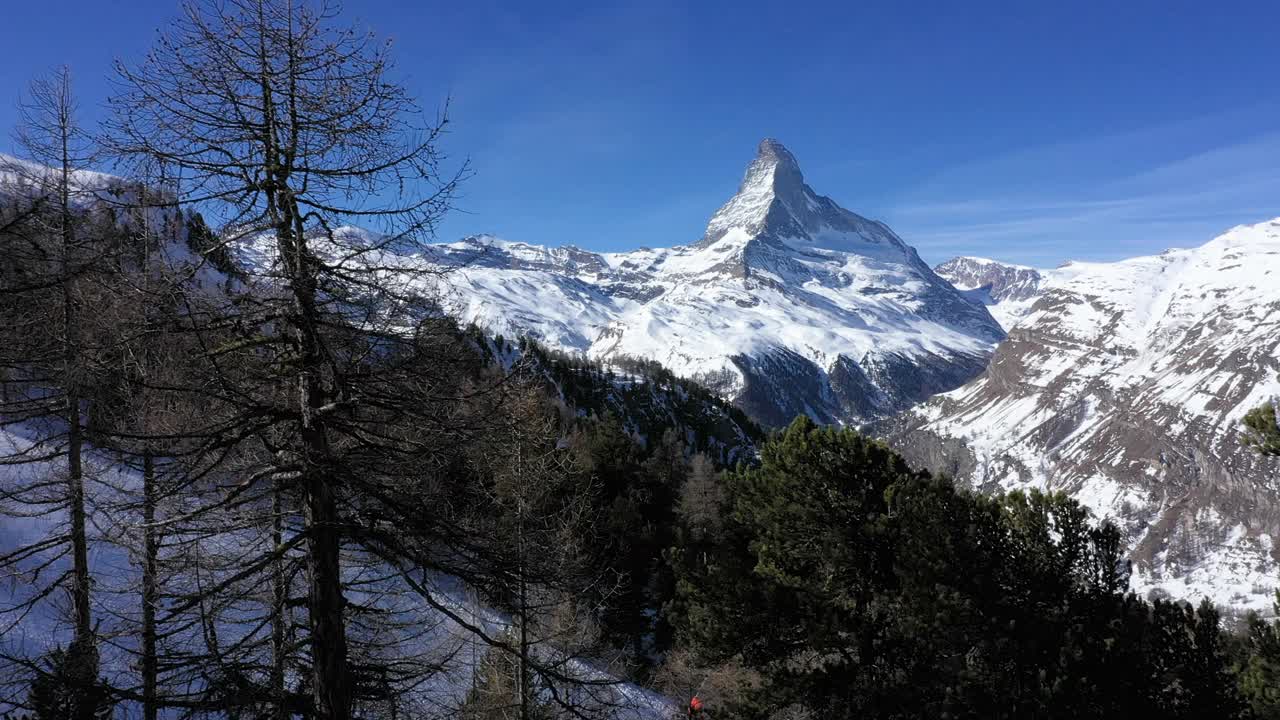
(35, 614)
(788, 304)
(1124, 384)
(447, 632)
(1007, 291)
(24, 179)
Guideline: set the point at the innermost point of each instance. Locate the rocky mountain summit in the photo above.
(1007, 291)
(1001, 282)
(788, 304)
(1124, 384)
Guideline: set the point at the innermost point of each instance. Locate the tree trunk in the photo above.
(151, 552)
(279, 596)
(330, 679)
(85, 670)
(522, 683)
(328, 631)
(79, 534)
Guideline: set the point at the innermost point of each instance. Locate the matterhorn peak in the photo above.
(774, 158)
(790, 304)
(771, 146)
(774, 170)
(774, 203)
(773, 177)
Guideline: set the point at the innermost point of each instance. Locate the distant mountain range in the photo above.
(1123, 384)
(1119, 383)
(1007, 291)
(788, 304)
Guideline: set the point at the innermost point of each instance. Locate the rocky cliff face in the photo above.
(1007, 291)
(1001, 281)
(788, 304)
(1123, 384)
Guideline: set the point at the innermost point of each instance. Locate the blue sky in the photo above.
(1028, 131)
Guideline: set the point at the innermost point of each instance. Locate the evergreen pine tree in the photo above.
(1262, 429)
(1257, 668)
(60, 690)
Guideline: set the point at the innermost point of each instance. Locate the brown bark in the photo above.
(279, 596)
(83, 643)
(150, 591)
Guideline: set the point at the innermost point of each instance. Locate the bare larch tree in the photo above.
(50, 252)
(289, 130)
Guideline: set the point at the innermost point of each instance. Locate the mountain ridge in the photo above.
(1123, 384)
(789, 304)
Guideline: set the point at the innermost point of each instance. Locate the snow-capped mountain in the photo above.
(788, 304)
(1007, 291)
(1123, 384)
(26, 180)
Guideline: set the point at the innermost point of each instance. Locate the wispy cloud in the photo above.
(1102, 198)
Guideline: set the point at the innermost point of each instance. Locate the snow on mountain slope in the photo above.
(1007, 291)
(24, 178)
(1124, 384)
(444, 632)
(112, 496)
(788, 304)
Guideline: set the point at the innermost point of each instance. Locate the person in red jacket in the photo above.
(695, 707)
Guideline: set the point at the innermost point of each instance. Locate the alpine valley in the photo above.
(1121, 384)
(285, 433)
